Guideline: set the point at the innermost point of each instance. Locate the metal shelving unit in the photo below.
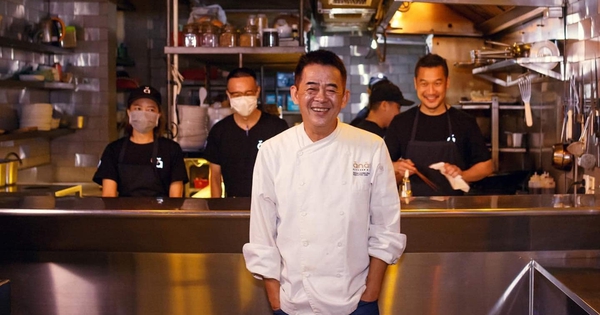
(495, 106)
(516, 66)
(282, 58)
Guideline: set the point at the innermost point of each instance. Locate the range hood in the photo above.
(466, 17)
(335, 16)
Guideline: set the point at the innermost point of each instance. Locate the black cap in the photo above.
(376, 79)
(144, 91)
(388, 92)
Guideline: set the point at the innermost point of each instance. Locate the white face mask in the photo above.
(244, 105)
(143, 121)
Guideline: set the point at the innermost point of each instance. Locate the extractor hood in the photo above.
(465, 17)
(334, 16)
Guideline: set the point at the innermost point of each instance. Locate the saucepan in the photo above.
(561, 158)
(9, 168)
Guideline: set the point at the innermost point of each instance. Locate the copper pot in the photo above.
(561, 158)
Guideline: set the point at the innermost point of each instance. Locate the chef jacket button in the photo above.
(305, 243)
(344, 183)
(300, 153)
(341, 212)
(301, 183)
(340, 244)
(303, 214)
(338, 275)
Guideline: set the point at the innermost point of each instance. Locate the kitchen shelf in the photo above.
(517, 65)
(41, 85)
(508, 106)
(285, 57)
(35, 47)
(50, 134)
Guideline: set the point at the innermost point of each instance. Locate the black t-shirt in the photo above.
(469, 140)
(371, 127)
(235, 150)
(169, 153)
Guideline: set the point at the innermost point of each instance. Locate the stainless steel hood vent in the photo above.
(476, 17)
(334, 16)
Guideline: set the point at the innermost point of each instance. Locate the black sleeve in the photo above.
(392, 138)
(476, 150)
(108, 167)
(178, 171)
(211, 151)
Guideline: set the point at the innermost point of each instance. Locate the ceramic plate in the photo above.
(544, 49)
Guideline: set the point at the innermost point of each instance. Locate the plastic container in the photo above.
(70, 38)
(270, 37)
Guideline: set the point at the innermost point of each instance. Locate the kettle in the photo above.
(52, 30)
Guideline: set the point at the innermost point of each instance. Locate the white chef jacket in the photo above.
(319, 210)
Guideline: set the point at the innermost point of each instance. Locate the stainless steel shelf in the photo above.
(242, 55)
(50, 134)
(522, 107)
(35, 47)
(518, 65)
(41, 85)
(513, 150)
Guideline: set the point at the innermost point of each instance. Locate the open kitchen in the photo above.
(522, 240)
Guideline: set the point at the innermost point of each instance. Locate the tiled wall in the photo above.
(362, 62)
(71, 158)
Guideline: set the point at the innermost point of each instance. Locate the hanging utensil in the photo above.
(525, 88)
(577, 148)
(202, 94)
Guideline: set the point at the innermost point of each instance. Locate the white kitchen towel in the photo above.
(456, 182)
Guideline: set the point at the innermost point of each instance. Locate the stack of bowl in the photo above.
(36, 115)
(192, 129)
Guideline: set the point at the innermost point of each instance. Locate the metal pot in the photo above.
(561, 158)
(9, 169)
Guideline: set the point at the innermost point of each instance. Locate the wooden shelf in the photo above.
(35, 47)
(50, 134)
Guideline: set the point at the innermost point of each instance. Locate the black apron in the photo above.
(425, 153)
(140, 180)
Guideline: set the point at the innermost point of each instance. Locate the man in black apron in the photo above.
(434, 132)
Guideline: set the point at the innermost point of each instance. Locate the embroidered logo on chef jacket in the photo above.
(159, 162)
(361, 169)
(260, 142)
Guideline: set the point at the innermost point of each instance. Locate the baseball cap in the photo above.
(376, 79)
(388, 91)
(144, 91)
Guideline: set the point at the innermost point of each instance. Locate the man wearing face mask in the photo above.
(234, 141)
(142, 164)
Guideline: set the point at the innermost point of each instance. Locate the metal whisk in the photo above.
(525, 88)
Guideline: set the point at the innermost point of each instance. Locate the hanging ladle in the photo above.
(587, 160)
(577, 148)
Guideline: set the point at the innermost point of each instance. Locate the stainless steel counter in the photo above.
(465, 255)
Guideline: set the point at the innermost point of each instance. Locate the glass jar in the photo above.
(189, 36)
(250, 37)
(228, 37)
(261, 23)
(210, 37)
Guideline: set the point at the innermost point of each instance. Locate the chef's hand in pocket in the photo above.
(367, 308)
